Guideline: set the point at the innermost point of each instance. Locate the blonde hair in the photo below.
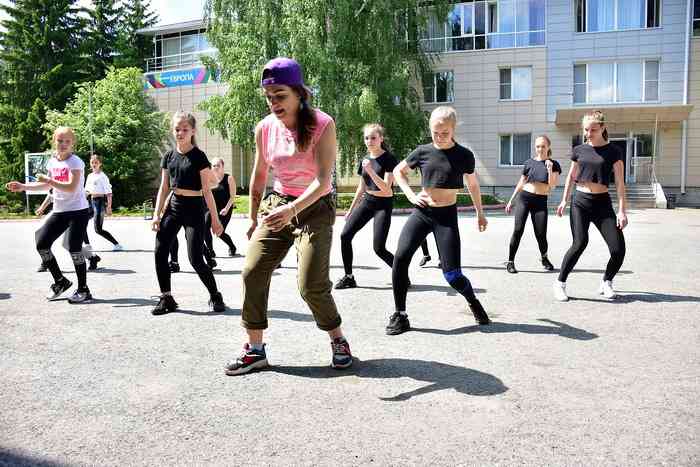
(444, 114)
(63, 130)
(598, 117)
(217, 159)
(549, 144)
(189, 118)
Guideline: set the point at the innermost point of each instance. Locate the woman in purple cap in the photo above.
(299, 143)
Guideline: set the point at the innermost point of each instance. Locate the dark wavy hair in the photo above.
(306, 118)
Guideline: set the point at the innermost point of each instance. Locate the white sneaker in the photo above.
(118, 247)
(559, 289)
(606, 289)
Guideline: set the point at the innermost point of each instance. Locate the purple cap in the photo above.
(282, 70)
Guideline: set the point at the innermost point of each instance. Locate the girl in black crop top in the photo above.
(185, 170)
(539, 177)
(373, 200)
(224, 193)
(443, 165)
(592, 166)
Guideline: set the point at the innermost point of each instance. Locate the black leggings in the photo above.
(536, 207)
(370, 207)
(209, 240)
(596, 208)
(75, 223)
(99, 205)
(187, 212)
(442, 222)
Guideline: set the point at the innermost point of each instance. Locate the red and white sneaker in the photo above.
(249, 359)
(342, 358)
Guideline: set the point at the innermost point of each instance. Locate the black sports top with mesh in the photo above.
(442, 168)
(221, 193)
(184, 168)
(381, 165)
(536, 171)
(595, 164)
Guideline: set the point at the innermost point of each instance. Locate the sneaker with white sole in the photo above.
(249, 359)
(118, 247)
(342, 357)
(559, 289)
(606, 290)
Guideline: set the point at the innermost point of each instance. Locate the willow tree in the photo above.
(361, 59)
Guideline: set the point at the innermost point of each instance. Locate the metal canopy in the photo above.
(627, 114)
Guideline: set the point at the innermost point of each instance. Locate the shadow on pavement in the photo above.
(369, 268)
(127, 302)
(440, 376)
(559, 329)
(5, 296)
(503, 268)
(113, 271)
(438, 288)
(645, 297)
(219, 272)
(8, 457)
(271, 314)
(126, 250)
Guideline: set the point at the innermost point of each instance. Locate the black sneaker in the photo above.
(81, 295)
(249, 359)
(346, 282)
(216, 303)
(342, 358)
(232, 251)
(546, 264)
(211, 262)
(479, 313)
(510, 267)
(93, 262)
(174, 266)
(398, 323)
(166, 304)
(42, 268)
(59, 287)
(424, 260)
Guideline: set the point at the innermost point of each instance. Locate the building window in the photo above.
(493, 24)
(515, 148)
(612, 15)
(621, 82)
(438, 87)
(516, 83)
(696, 18)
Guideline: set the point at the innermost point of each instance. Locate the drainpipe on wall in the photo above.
(686, 75)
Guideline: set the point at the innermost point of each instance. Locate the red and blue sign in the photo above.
(171, 79)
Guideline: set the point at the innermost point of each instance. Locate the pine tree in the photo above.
(134, 49)
(105, 19)
(42, 52)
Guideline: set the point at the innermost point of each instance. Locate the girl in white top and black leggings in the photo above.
(100, 190)
(66, 174)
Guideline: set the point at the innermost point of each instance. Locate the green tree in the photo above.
(361, 58)
(128, 131)
(42, 51)
(41, 62)
(133, 49)
(103, 34)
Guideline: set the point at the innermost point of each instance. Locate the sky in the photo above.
(169, 11)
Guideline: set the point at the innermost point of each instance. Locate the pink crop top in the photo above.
(293, 170)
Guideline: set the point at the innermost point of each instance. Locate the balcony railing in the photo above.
(173, 62)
